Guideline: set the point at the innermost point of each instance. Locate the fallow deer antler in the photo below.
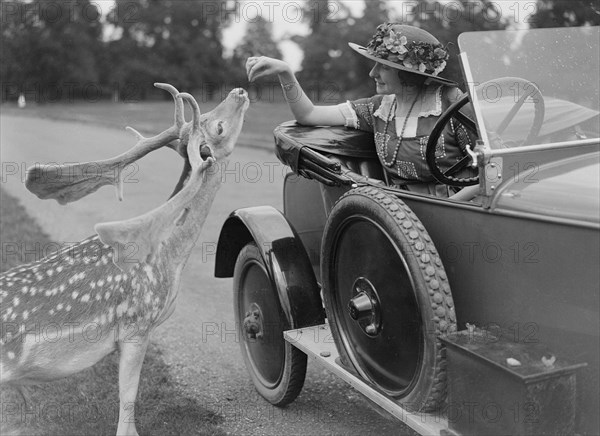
(149, 230)
(70, 182)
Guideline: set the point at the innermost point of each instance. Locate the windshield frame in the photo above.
(510, 38)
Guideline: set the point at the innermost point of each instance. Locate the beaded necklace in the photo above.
(383, 151)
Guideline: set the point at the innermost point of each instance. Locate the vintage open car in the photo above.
(480, 310)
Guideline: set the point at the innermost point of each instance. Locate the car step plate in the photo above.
(317, 343)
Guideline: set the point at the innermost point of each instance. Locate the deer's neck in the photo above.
(181, 242)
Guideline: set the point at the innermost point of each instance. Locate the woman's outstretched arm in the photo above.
(303, 109)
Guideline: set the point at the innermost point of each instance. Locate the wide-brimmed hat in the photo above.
(406, 48)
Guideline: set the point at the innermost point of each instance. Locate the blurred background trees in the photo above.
(330, 67)
(258, 41)
(163, 40)
(57, 49)
(566, 13)
(49, 46)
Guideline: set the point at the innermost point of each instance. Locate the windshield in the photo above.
(534, 86)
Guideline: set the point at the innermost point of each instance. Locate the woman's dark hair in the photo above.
(416, 79)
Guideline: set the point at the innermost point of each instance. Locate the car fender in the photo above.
(284, 255)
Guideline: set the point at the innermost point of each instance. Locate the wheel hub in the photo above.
(253, 324)
(364, 307)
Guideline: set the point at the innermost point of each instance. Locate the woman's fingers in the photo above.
(254, 65)
(251, 62)
(262, 66)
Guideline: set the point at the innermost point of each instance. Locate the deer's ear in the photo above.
(133, 241)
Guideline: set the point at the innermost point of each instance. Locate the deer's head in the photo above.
(219, 129)
(222, 125)
(208, 139)
(217, 133)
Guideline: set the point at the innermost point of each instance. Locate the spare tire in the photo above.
(387, 297)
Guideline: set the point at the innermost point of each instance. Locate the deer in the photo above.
(111, 290)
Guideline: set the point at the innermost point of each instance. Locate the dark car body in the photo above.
(521, 249)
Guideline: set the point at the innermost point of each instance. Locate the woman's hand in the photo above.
(257, 67)
(302, 108)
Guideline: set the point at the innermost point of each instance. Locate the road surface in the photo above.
(198, 341)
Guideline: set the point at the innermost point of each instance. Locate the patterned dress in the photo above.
(403, 155)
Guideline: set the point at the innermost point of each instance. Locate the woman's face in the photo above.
(393, 81)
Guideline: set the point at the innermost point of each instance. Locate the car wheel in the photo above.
(276, 367)
(387, 297)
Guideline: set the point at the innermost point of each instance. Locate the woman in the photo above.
(410, 98)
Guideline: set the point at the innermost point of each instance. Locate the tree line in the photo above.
(65, 49)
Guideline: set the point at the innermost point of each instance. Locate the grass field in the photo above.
(151, 116)
(88, 403)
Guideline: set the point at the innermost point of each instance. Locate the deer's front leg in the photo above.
(130, 365)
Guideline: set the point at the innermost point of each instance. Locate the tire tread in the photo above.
(438, 287)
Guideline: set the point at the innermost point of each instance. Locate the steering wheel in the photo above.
(446, 177)
(530, 90)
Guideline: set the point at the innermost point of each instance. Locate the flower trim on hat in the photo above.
(421, 56)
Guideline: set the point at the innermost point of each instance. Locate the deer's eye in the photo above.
(220, 128)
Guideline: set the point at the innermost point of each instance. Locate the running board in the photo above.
(317, 343)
